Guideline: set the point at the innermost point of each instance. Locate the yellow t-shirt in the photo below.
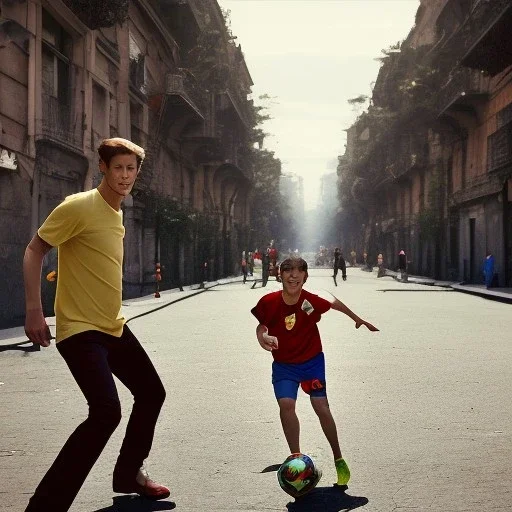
(89, 235)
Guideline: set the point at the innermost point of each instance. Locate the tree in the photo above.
(271, 215)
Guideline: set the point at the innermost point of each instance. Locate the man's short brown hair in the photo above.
(118, 146)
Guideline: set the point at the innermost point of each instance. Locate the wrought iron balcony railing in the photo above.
(473, 43)
(463, 86)
(499, 148)
(61, 122)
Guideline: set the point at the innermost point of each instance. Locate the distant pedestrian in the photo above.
(339, 264)
(244, 266)
(250, 263)
(265, 268)
(489, 269)
(205, 270)
(91, 334)
(402, 261)
(353, 257)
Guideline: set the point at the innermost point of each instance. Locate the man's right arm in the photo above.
(35, 324)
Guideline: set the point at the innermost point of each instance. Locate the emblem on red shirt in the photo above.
(289, 321)
(307, 307)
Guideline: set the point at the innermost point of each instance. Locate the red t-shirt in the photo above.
(294, 326)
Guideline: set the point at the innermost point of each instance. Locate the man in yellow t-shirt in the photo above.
(91, 333)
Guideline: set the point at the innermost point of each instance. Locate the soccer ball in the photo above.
(298, 475)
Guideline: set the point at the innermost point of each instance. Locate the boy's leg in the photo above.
(290, 423)
(285, 391)
(321, 407)
(86, 357)
(132, 366)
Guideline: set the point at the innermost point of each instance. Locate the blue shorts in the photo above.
(310, 375)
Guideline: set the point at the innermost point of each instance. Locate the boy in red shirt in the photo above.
(288, 328)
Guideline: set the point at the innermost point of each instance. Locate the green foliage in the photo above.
(208, 62)
(260, 115)
(96, 14)
(271, 214)
(175, 220)
(430, 218)
(392, 49)
(362, 98)
(429, 224)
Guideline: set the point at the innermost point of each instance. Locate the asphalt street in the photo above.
(423, 407)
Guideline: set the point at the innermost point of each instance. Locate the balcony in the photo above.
(177, 106)
(183, 18)
(499, 149)
(464, 92)
(492, 49)
(412, 155)
(476, 188)
(205, 150)
(98, 13)
(61, 124)
(476, 36)
(232, 105)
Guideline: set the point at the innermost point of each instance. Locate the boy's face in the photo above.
(120, 175)
(293, 278)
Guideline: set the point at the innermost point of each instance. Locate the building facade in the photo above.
(428, 167)
(165, 74)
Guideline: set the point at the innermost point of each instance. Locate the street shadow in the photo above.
(444, 290)
(136, 504)
(24, 346)
(269, 469)
(327, 499)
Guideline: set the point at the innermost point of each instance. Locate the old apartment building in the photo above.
(428, 167)
(165, 74)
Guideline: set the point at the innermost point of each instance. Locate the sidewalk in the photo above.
(16, 339)
(498, 294)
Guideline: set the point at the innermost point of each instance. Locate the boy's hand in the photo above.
(268, 342)
(368, 325)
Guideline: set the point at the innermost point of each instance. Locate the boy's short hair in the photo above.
(293, 262)
(118, 146)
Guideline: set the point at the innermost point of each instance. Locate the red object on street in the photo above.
(158, 278)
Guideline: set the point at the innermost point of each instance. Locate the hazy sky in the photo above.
(312, 56)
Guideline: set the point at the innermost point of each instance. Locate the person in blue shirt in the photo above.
(488, 269)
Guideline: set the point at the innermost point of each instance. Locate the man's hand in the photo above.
(268, 342)
(36, 328)
(368, 325)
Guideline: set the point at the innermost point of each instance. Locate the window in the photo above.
(136, 113)
(504, 116)
(57, 99)
(113, 116)
(137, 66)
(99, 113)
(57, 51)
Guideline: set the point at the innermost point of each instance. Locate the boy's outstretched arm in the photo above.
(339, 306)
(267, 342)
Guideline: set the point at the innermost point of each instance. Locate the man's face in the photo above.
(120, 175)
(293, 277)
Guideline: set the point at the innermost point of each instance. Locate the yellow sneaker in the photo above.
(342, 471)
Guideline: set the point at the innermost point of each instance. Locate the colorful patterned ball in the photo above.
(298, 475)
